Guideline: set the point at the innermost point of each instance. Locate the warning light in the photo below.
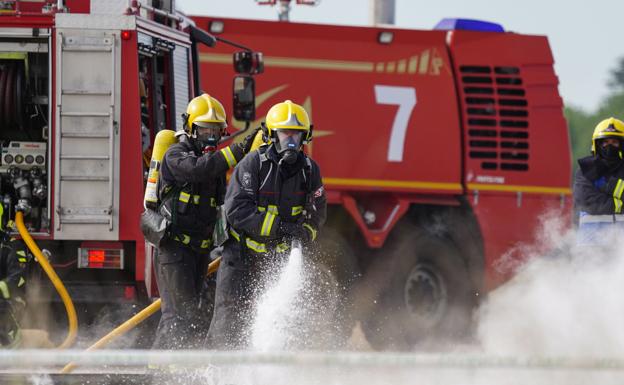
(125, 35)
(101, 255)
(96, 258)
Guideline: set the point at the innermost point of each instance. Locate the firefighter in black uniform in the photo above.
(599, 182)
(191, 186)
(275, 195)
(15, 262)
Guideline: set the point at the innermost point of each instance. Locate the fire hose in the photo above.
(56, 281)
(132, 322)
(147, 312)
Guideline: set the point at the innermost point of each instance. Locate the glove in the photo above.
(294, 230)
(248, 141)
(301, 231)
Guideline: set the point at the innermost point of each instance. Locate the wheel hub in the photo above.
(425, 296)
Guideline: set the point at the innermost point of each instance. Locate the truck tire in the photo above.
(427, 295)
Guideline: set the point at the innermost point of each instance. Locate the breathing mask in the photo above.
(207, 135)
(288, 144)
(611, 153)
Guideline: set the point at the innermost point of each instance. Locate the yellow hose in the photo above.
(60, 288)
(119, 330)
(132, 322)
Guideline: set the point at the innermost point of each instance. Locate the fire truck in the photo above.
(85, 87)
(442, 151)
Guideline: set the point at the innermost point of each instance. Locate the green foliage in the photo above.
(580, 127)
(613, 105)
(617, 76)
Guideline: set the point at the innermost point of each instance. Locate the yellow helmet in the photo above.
(288, 116)
(608, 128)
(204, 109)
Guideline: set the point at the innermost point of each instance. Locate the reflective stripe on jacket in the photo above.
(191, 187)
(259, 197)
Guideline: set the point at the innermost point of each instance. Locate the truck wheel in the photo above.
(427, 295)
(336, 268)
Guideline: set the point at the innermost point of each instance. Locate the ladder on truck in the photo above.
(86, 147)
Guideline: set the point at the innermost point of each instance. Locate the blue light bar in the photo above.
(468, 25)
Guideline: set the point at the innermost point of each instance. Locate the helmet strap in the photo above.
(185, 117)
(265, 132)
(308, 137)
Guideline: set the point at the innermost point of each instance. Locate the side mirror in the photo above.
(248, 62)
(244, 92)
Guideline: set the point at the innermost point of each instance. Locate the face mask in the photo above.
(208, 140)
(288, 142)
(290, 156)
(610, 153)
(207, 137)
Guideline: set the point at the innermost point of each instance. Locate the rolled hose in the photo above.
(56, 281)
(133, 321)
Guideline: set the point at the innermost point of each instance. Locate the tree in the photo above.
(580, 127)
(617, 76)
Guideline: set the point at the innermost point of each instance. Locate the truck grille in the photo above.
(496, 117)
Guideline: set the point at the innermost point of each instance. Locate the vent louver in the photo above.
(496, 112)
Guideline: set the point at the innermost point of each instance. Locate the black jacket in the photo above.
(191, 186)
(594, 186)
(257, 189)
(15, 261)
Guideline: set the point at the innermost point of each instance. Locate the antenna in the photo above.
(284, 6)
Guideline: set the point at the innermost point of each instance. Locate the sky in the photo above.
(585, 35)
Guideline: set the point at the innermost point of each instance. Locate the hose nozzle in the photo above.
(296, 244)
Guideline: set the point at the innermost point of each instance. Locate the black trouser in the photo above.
(239, 279)
(180, 271)
(10, 313)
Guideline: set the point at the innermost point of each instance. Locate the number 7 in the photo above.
(405, 98)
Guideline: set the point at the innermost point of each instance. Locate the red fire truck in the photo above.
(441, 151)
(85, 86)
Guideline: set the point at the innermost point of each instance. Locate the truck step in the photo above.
(87, 114)
(85, 157)
(84, 215)
(84, 178)
(85, 92)
(86, 135)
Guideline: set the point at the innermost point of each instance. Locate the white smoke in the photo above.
(568, 302)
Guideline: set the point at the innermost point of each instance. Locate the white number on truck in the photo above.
(405, 98)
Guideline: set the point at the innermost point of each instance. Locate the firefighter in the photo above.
(275, 195)
(191, 186)
(15, 262)
(599, 182)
